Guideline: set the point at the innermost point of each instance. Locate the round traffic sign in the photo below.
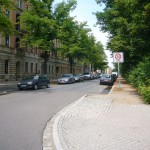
(118, 56)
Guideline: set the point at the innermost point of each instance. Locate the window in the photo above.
(26, 66)
(7, 41)
(17, 22)
(17, 42)
(49, 68)
(52, 68)
(36, 68)
(0, 39)
(19, 3)
(6, 66)
(8, 13)
(31, 67)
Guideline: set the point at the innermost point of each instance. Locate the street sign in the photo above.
(118, 57)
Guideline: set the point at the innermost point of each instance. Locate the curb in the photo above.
(50, 135)
(4, 93)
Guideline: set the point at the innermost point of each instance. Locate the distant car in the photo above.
(79, 78)
(87, 76)
(106, 79)
(66, 78)
(116, 73)
(34, 82)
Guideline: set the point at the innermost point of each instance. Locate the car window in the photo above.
(45, 77)
(86, 73)
(41, 77)
(105, 76)
(66, 75)
(29, 77)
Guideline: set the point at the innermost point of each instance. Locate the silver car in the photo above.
(66, 78)
(106, 79)
(79, 78)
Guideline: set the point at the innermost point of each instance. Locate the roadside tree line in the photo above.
(128, 24)
(42, 24)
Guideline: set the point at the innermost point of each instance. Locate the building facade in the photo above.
(16, 62)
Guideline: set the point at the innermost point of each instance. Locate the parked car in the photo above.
(34, 82)
(106, 79)
(116, 73)
(66, 78)
(79, 78)
(114, 77)
(87, 76)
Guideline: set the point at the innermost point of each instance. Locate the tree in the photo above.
(42, 25)
(128, 23)
(39, 27)
(6, 25)
(69, 34)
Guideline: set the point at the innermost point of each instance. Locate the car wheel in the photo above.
(35, 87)
(48, 85)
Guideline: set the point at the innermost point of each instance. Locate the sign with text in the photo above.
(118, 57)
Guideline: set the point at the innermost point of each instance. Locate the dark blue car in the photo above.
(34, 82)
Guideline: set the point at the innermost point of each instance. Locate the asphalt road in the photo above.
(24, 114)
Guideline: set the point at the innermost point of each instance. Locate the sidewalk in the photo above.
(117, 121)
(8, 87)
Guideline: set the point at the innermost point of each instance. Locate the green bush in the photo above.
(145, 92)
(139, 77)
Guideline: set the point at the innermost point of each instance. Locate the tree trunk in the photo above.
(71, 64)
(45, 56)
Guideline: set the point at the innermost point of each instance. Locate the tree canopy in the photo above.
(128, 23)
(6, 25)
(41, 25)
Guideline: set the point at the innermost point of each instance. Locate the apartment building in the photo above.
(16, 62)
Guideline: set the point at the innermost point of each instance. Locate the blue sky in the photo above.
(83, 12)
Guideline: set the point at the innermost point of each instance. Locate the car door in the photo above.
(40, 81)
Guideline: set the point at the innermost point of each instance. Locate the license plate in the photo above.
(106, 80)
(23, 85)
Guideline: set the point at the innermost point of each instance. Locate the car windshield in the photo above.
(35, 77)
(77, 75)
(66, 75)
(105, 76)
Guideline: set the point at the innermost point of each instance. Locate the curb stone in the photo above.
(50, 135)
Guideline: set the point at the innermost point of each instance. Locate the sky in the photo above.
(83, 12)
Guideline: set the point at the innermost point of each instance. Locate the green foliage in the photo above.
(145, 92)
(140, 78)
(38, 25)
(6, 25)
(41, 25)
(128, 23)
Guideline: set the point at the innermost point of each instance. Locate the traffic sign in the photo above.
(118, 57)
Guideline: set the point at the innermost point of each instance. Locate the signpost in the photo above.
(118, 57)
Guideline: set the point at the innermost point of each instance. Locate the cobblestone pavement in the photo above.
(117, 121)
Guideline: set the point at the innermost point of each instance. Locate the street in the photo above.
(24, 114)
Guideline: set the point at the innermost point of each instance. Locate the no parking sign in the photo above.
(118, 57)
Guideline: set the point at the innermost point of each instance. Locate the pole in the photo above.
(119, 74)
